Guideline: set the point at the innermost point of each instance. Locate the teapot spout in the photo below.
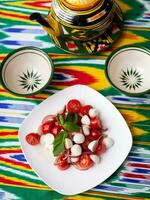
(46, 22)
(40, 19)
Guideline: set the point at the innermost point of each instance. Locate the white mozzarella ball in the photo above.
(49, 138)
(68, 143)
(86, 130)
(93, 112)
(85, 120)
(42, 139)
(78, 138)
(95, 159)
(92, 145)
(76, 150)
(108, 142)
(74, 160)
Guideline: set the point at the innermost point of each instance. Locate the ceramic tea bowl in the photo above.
(26, 71)
(128, 70)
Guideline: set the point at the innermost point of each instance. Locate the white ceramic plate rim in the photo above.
(67, 182)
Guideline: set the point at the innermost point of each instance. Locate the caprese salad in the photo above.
(75, 136)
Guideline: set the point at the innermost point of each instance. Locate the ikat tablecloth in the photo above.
(17, 179)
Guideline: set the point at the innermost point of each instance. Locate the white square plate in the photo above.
(74, 181)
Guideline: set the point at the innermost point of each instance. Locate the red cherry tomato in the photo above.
(84, 162)
(49, 118)
(47, 126)
(74, 106)
(33, 138)
(55, 130)
(95, 123)
(61, 162)
(95, 134)
(101, 148)
(85, 109)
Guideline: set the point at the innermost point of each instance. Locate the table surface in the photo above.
(17, 180)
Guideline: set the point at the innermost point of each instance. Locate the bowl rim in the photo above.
(111, 56)
(20, 49)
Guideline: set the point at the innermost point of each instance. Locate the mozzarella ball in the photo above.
(85, 120)
(93, 112)
(108, 142)
(42, 139)
(68, 143)
(49, 138)
(93, 145)
(95, 158)
(74, 160)
(86, 130)
(76, 150)
(78, 138)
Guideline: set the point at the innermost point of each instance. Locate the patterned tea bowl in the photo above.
(128, 70)
(26, 71)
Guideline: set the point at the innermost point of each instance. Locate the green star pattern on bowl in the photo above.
(30, 80)
(131, 79)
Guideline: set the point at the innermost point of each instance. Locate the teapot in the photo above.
(78, 23)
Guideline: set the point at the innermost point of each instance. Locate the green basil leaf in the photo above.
(75, 119)
(60, 119)
(71, 117)
(70, 126)
(59, 143)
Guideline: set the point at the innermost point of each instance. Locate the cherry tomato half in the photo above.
(95, 123)
(85, 109)
(74, 106)
(84, 162)
(95, 134)
(55, 130)
(33, 138)
(101, 148)
(62, 163)
(47, 126)
(49, 118)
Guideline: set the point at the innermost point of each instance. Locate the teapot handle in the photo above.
(44, 22)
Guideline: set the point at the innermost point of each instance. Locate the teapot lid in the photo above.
(80, 4)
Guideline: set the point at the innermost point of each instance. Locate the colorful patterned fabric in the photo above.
(17, 179)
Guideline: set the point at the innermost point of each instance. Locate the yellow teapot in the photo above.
(82, 26)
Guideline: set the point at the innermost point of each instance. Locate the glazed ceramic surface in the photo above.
(74, 181)
(26, 71)
(94, 45)
(128, 70)
(81, 27)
